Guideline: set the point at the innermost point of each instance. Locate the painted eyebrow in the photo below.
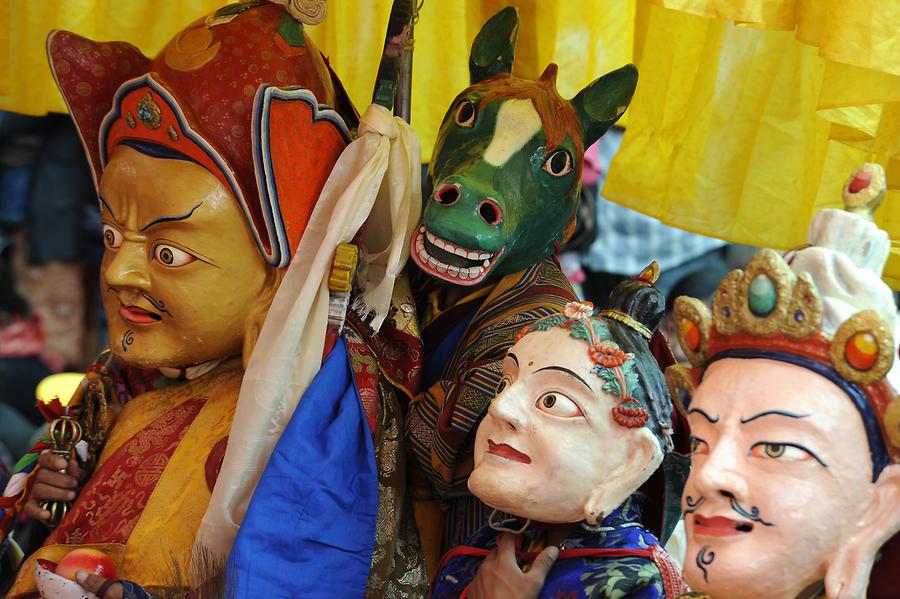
(108, 207)
(773, 413)
(703, 413)
(567, 371)
(514, 358)
(169, 219)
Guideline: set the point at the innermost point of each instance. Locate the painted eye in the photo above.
(171, 256)
(465, 114)
(558, 164)
(504, 383)
(112, 237)
(699, 446)
(557, 404)
(781, 451)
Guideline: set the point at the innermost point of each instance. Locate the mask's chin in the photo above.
(449, 262)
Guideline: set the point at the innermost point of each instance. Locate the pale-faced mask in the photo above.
(564, 440)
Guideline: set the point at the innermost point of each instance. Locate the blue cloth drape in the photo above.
(310, 527)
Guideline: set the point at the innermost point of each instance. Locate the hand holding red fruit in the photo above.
(95, 584)
(91, 569)
(90, 560)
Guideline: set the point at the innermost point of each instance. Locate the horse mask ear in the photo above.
(495, 46)
(602, 102)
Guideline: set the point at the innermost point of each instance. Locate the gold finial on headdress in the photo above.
(865, 190)
(650, 274)
(308, 12)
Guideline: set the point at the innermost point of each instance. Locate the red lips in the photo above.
(139, 315)
(719, 526)
(505, 451)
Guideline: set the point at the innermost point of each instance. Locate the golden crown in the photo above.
(767, 307)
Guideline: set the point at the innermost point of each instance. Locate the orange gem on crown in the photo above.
(861, 351)
(691, 334)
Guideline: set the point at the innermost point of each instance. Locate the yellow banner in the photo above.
(585, 43)
(750, 114)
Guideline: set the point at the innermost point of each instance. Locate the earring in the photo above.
(594, 527)
(498, 526)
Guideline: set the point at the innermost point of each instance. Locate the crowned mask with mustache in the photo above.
(794, 412)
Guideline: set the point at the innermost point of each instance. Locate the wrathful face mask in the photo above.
(181, 273)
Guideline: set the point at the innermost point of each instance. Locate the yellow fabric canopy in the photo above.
(748, 117)
(585, 43)
(750, 114)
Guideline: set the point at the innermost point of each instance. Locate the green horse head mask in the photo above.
(506, 170)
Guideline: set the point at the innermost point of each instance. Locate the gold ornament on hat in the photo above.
(863, 348)
(767, 299)
(681, 387)
(865, 190)
(692, 322)
(148, 112)
(650, 274)
(308, 12)
(892, 422)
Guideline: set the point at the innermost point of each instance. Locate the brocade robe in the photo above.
(618, 559)
(142, 505)
(145, 499)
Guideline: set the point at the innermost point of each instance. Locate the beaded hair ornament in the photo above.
(613, 365)
(769, 311)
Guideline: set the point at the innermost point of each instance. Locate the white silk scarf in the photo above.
(376, 181)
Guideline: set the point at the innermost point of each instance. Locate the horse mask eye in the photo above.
(558, 164)
(465, 114)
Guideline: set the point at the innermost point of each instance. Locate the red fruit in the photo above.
(90, 560)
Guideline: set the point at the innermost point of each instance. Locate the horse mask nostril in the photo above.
(490, 212)
(447, 194)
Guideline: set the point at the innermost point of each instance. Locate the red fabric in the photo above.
(51, 410)
(659, 347)
(22, 337)
(214, 462)
(303, 152)
(673, 583)
(331, 337)
(107, 510)
(400, 354)
(365, 374)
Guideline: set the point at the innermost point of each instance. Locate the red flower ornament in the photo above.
(630, 414)
(607, 354)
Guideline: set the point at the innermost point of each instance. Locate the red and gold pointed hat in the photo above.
(204, 96)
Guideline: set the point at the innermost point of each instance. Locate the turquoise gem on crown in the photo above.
(144, 114)
(762, 296)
